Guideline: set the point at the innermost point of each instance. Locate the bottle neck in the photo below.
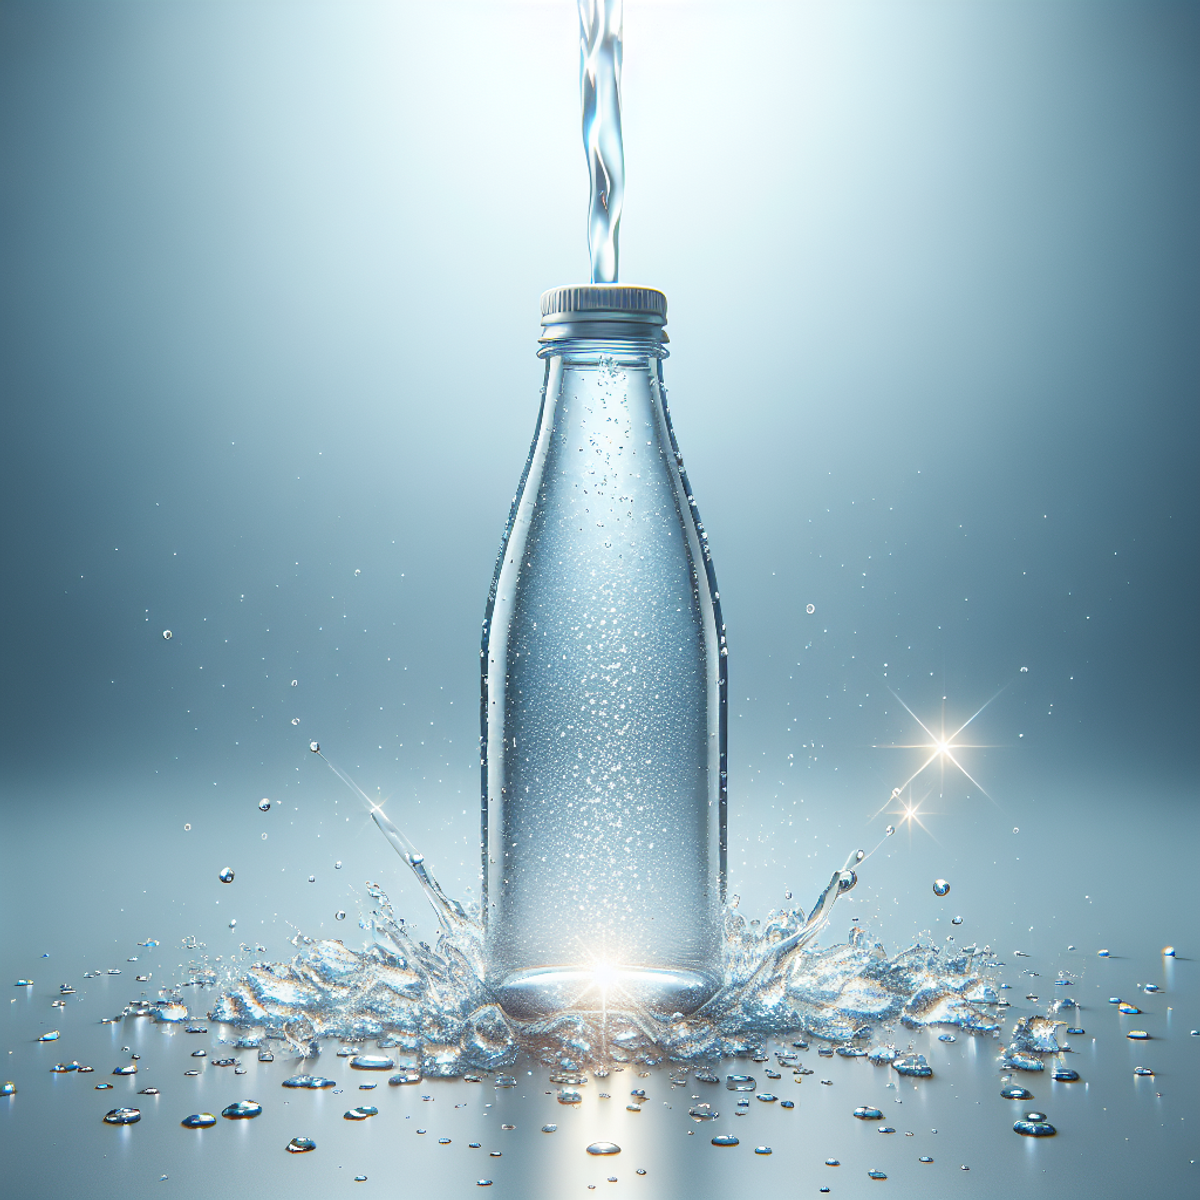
(585, 350)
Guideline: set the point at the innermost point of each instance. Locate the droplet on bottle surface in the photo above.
(1016, 829)
(131, 1069)
(1075, 1031)
(295, 720)
(225, 874)
(703, 1112)
(52, 1036)
(1168, 951)
(167, 635)
(122, 1116)
(740, 1083)
(832, 1162)
(357, 571)
(266, 1056)
(810, 609)
(241, 1110)
(360, 1179)
(762, 1149)
(1142, 1071)
(337, 866)
(405, 1075)
(1102, 953)
(315, 747)
(956, 920)
(198, 1121)
(1034, 1125)
(8, 1088)
(864, 1112)
(372, 1062)
(876, 1175)
(1024, 670)
(604, 1148)
(941, 887)
(549, 1128)
(233, 923)
(312, 879)
(264, 805)
(889, 831)
(340, 915)
(187, 828)
(725, 1139)
(300, 1145)
(1065, 1075)
(361, 1113)
(148, 1092)
(1138, 1035)
(295, 682)
(1016, 1093)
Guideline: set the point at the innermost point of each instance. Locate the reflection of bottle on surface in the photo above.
(603, 704)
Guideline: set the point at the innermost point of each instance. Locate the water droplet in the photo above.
(766, 1097)
(912, 1065)
(264, 805)
(740, 1083)
(131, 1069)
(604, 1148)
(940, 887)
(315, 747)
(443, 1141)
(241, 1110)
(148, 1092)
(549, 1128)
(703, 1112)
(187, 827)
(300, 1145)
(52, 1036)
(1065, 1075)
(1016, 1093)
(8, 1088)
(371, 1062)
(340, 915)
(405, 1075)
(1075, 1031)
(865, 1112)
(810, 609)
(225, 874)
(1169, 951)
(889, 831)
(1138, 1035)
(123, 1116)
(1102, 953)
(337, 866)
(762, 1149)
(294, 682)
(876, 1175)
(167, 635)
(1016, 829)
(357, 571)
(264, 837)
(1024, 670)
(956, 920)
(360, 1179)
(725, 1139)
(198, 1121)
(1142, 1071)
(295, 720)
(361, 1113)
(1039, 1127)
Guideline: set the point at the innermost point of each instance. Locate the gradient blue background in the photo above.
(269, 314)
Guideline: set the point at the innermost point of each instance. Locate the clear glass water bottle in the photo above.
(604, 689)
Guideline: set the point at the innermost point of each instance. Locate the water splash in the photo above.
(600, 28)
(432, 1001)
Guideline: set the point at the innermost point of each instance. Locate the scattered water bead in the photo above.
(372, 1062)
(360, 1179)
(131, 1069)
(1034, 1128)
(167, 635)
(889, 831)
(1065, 1075)
(295, 720)
(604, 1148)
(740, 1083)
(864, 1112)
(549, 1128)
(52, 1036)
(199, 1054)
(1138, 1035)
(148, 1092)
(8, 1088)
(315, 747)
(725, 1139)
(23, 983)
(886, 1129)
(1142, 1071)
(1102, 953)
(925, 1159)
(199, 1121)
(810, 609)
(187, 827)
(340, 915)
(300, 1145)
(832, 1162)
(122, 1116)
(443, 1141)
(762, 1149)
(703, 1112)
(941, 887)
(312, 879)
(787, 1104)
(912, 1065)
(1168, 951)
(361, 1113)
(406, 1075)
(571, 1096)
(241, 1110)
(225, 874)
(1074, 1031)
(337, 866)
(876, 1175)
(62, 1068)
(956, 920)
(766, 1097)
(1128, 1009)
(264, 805)
(295, 682)
(1152, 987)
(947, 1037)
(1016, 1093)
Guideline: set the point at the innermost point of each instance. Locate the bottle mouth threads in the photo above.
(603, 310)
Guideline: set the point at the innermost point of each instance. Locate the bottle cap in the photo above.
(603, 310)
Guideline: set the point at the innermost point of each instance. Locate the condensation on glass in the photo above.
(603, 708)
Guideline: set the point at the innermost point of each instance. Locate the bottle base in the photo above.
(542, 991)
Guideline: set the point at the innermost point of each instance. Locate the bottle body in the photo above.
(603, 707)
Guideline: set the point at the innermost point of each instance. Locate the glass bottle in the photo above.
(603, 711)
